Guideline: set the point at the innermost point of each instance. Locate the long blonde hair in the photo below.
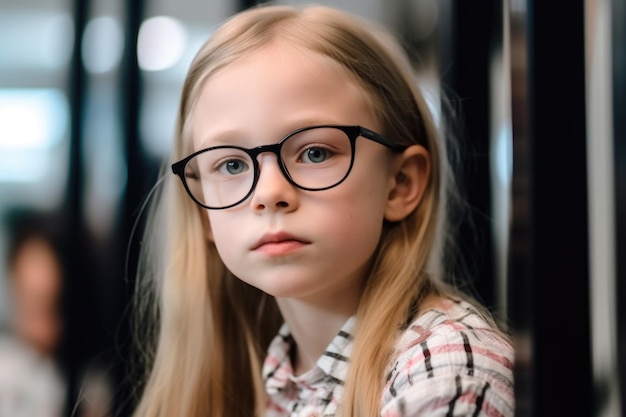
(213, 329)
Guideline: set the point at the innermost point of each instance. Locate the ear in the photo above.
(411, 172)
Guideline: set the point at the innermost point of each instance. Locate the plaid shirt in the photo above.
(448, 362)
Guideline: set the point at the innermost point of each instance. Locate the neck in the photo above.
(313, 325)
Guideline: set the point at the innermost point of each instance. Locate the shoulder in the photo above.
(20, 361)
(13, 353)
(450, 360)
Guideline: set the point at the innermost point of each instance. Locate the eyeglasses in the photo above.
(313, 158)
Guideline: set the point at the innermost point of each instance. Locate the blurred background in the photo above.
(88, 97)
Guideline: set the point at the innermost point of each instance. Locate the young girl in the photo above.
(295, 250)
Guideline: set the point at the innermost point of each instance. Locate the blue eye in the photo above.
(233, 167)
(315, 155)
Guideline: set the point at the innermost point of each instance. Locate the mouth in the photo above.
(279, 243)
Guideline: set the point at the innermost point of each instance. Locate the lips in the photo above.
(276, 240)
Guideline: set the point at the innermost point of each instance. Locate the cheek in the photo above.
(367, 198)
(356, 219)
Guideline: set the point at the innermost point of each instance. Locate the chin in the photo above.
(284, 288)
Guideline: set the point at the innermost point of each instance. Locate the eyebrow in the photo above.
(238, 137)
(226, 137)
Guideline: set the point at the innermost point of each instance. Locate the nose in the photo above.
(273, 191)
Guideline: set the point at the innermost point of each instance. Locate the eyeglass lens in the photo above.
(313, 159)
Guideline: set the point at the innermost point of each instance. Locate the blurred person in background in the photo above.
(32, 382)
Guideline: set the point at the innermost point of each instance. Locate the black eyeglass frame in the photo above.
(352, 132)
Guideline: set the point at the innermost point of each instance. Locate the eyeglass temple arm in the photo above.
(370, 134)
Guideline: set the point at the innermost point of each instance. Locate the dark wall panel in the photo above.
(551, 221)
(618, 26)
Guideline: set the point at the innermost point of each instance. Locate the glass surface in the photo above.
(312, 158)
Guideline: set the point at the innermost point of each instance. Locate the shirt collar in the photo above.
(333, 364)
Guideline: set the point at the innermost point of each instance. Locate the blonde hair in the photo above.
(214, 329)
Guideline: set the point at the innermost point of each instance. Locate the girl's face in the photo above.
(315, 246)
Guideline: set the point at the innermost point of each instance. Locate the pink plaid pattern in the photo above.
(448, 362)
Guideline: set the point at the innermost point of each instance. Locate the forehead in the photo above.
(276, 89)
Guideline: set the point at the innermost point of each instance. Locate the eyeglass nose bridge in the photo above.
(274, 148)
